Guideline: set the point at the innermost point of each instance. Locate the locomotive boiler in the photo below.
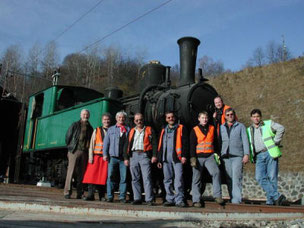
(158, 96)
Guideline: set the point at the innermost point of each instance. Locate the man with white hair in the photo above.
(115, 143)
(78, 140)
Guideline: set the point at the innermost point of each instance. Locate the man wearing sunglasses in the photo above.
(141, 150)
(235, 153)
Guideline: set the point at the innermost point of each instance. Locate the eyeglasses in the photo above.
(230, 114)
(170, 117)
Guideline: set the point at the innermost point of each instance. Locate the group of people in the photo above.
(98, 156)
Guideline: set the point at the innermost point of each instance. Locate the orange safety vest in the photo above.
(204, 142)
(223, 120)
(98, 149)
(178, 145)
(147, 136)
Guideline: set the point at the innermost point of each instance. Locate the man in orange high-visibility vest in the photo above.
(140, 153)
(202, 153)
(97, 169)
(219, 114)
(172, 152)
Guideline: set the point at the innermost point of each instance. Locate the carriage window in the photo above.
(37, 106)
(66, 99)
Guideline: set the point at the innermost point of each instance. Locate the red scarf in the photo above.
(122, 128)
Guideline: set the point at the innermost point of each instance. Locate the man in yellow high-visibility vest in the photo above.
(264, 138)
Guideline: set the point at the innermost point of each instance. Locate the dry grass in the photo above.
(278, 90)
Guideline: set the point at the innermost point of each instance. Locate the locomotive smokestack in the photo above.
(187, 50)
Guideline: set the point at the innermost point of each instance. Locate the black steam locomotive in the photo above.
(51, 111)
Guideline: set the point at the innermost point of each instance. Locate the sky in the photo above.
(229, 31)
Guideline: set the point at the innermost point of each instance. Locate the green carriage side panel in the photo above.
(59, 101)
(51, 129)
(48, 100)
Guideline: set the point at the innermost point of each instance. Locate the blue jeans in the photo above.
(114, 164)
(266, 173)
(234, 178)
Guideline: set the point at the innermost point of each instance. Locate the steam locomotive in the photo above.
(52, 111)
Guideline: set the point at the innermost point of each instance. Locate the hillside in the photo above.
(278, 90)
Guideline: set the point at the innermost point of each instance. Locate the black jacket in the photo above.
(72, 135)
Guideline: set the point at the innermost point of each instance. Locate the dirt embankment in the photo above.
(278, 90)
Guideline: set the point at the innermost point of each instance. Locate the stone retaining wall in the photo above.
(291, 184)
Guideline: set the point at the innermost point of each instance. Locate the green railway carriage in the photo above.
(50, 114)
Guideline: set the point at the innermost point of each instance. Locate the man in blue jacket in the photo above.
(235, 153)
(115, 143)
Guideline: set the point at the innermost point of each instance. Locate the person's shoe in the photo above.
(79, 196)
(150, 203)
(89, 198)
(197, 204)
(110, 200)
(219, 200)
(280, 200)
(182, 204)
(168, 204)
(123, 201)
(136, 202)
(103, 199)
(67, 196)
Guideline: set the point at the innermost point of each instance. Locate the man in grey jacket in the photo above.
(235, 153)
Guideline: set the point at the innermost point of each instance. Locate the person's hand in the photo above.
(184, 160)
(245, 159)
(159, 165)
(91, 160)
(105, 158)
(126, 162)
(193, 162)
(154, 159)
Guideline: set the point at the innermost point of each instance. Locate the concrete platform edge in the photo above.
(188, 216)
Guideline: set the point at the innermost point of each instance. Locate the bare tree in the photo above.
(271, 52)
(277, 53)
(51, 59)
(283, 54)
(210, 67)
(32, 64)
(259, 57)
(112, 57)
(73, 69)
(11, 68)
(93, 67)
